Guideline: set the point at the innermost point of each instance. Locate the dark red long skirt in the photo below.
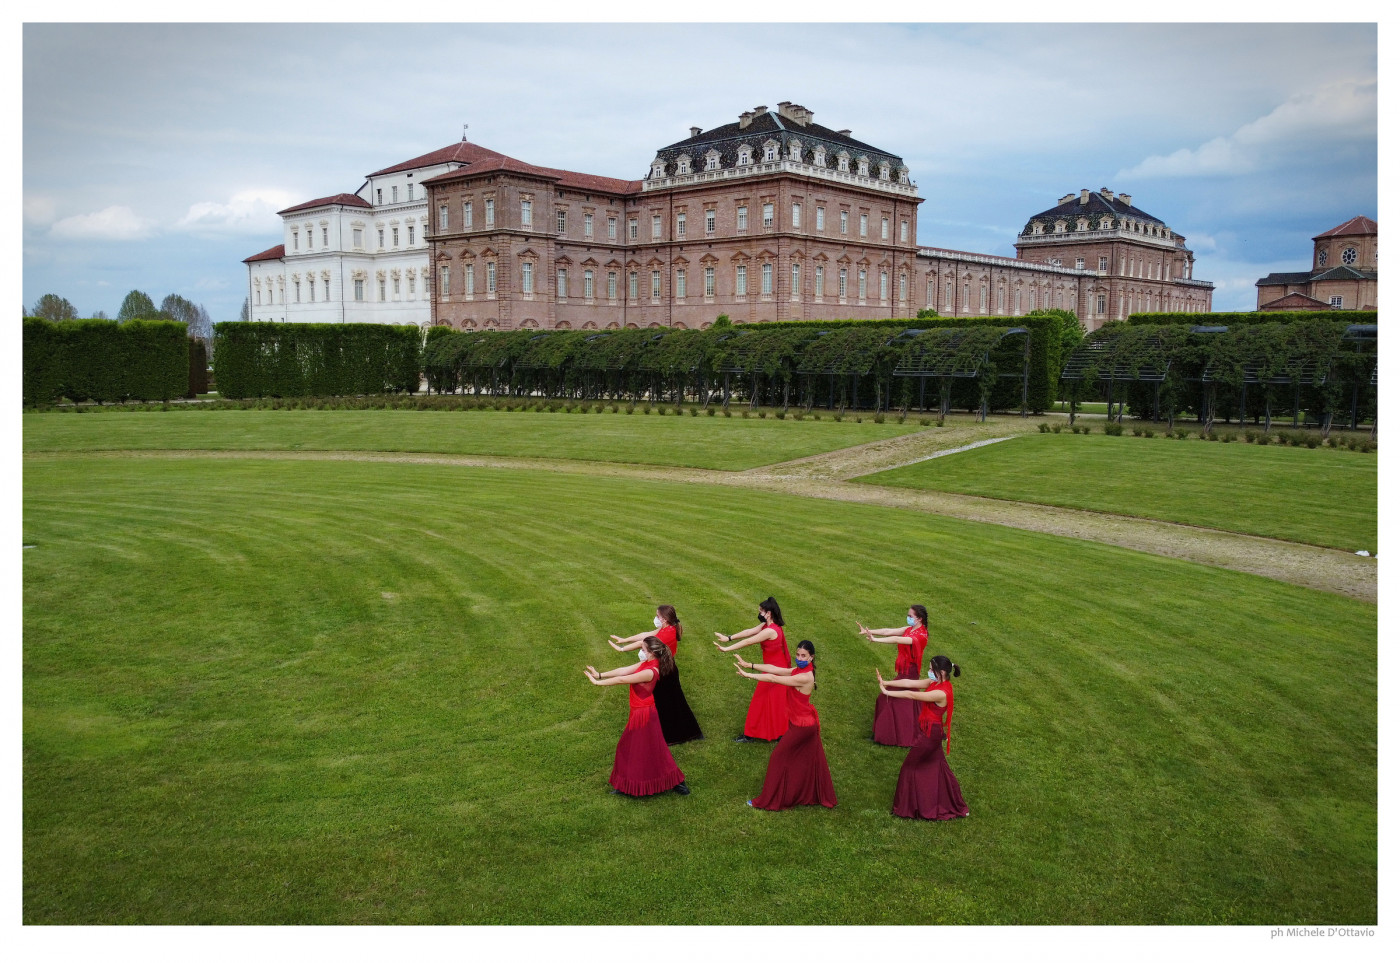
(896, 720)
(768, 711)
(642, 765)
(797, 772)
(927, 788)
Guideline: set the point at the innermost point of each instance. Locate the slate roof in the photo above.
(271, 254)
(1357, 225)
(1097, 206)
(1287, 277)
(345, 200)
(1339, 273)
(770, 125)
(569, 179)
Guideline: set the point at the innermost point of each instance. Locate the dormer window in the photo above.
(1059, 227)
(683, 164)
(1082, 224)
(795, 151)
(770, 150)
(1105, 223)
(863, 166)
(1037, 227)
(819, 156)
(904, 175)
(712, 160)
(745, 155)
(884, 171)
(843, 162)
(658, 168)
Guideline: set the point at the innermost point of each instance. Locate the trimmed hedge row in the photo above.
(1251, 317)
(101, 360)
(286, 360)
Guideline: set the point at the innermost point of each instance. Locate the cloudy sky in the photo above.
(156, 155)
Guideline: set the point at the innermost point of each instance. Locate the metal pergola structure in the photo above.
(1101, 355)
(924, 361)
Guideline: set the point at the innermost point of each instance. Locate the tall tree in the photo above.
(137, 304)
(195, 317)
(51, 307)
(100, 315)
(243, 311)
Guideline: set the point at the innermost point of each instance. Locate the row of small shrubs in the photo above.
(1297, 439)
(94, 359)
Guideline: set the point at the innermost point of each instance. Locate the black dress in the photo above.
(678, 723)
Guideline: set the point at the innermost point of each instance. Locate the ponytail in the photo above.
(658, 651)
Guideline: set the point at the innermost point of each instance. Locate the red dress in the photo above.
(642, 765)
(897, 720)
(667, 635)
(927, 788)
(768, 709)
(797, 771)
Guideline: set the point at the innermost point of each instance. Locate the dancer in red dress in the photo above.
(642, 765)
(797, 771)
(767, 718)
(896, 720)
(927, 788)
(678, 723)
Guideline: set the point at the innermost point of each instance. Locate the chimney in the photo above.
(760, 110)
(796, 113)
(695, 132)
(845, 133)
(745, 119)
(1084, 195)
(1064, 200)
(1108, 194)
(1126, 199)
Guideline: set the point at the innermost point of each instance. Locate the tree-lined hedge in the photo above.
(1251, 317)
(285, 360)
(102, 360)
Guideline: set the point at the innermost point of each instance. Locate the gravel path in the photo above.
(824, 476)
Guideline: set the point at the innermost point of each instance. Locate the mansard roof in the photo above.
(568, 179)
(271, 254)
(346, 200)
(462, 152)
(1096, 206)
(1358, 225)
(770, 125)
(1285, 277)
(1339, 273)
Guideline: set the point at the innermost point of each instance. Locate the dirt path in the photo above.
(823, 476)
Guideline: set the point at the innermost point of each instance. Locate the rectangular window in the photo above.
(311, 287)
(948, 296)
(379, 195)
(588, 285)
(797, 215)
(444, 280)
(841, 283)
(741, 219)
(296, 241)
(381, 289)
(410, 235)
(381, 237)
(412, 284)
(561, 283)
(767, 215)
(656, 226)
(359, 235)
(466, 216)
(394, 194)
(821, 218)
(884, 286)
(983, 300)
(612, 229)
(612, 285)
(710, 221)
(490, 277)
(845, 221)
(680, 225)
(864, 225)
(1001, 300)
(655, 285)
(359, 289)
(709, 282)
(860, 285)
(490, 212)
(561, 220)
(1103, 264)
(469, 288)
(632, 285)
(325, 235)
(1103, 303)
(795, 288)
(884, 228)
(588, 225)
(904, 230)
(1018, 302)
(297, 285)
(741, 280)
(631, 228)
(680, 284)
(526, 213)
(1336, 302)
(396, 286)
(396, 237)
(817, 287)
(410, 191)
(1079, 263)
(903, 288)
(767, 280)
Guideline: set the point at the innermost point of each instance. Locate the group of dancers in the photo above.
(911, 710)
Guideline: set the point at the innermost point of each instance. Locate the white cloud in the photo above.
(117, 223)
(39, 209)
(247, 212)
(1339, 111)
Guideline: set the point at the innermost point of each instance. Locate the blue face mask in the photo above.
(910, 620)
(931, 675)
(803, 663)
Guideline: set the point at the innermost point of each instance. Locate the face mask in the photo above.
(642, 655)
(657, 622)
(931, 675)
(761, 619)
(911, 620)
(803, 663)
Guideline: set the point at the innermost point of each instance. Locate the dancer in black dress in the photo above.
(678, 722)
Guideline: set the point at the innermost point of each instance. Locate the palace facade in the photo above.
(1343, 275)
(772, 217)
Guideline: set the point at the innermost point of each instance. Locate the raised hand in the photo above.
(615, 645)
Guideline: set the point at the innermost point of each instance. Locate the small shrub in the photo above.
(1250, 436)
(1057, 428)
(837, 417)
(744, 413)
(901, 419)
(1367, 447)
(1313, 441)
(695, 412)
(762, 414)
(798, 416)
(1149, 433)
(939, 423)
(710, 412)
(879, 418)
(629, 409)
(728, 413)
(816, 416)
(1137, 432)
(1263, 439)
(924, 422)
(679, 411)
(858, 419)
(780, 415)
(1043, 428)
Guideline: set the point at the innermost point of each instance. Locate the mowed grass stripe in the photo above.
(250, 731)
(1318, 496)
(731, 444)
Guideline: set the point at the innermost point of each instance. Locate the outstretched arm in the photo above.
(631, 679)
(884, 635)
(762, 667)
(746, 637)
(797, 682)
(628, 644)
(887, 684)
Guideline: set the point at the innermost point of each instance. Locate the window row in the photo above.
(393, 194)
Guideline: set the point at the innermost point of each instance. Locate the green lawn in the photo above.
(353, 693)
(733, 443)
(1319, 496)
